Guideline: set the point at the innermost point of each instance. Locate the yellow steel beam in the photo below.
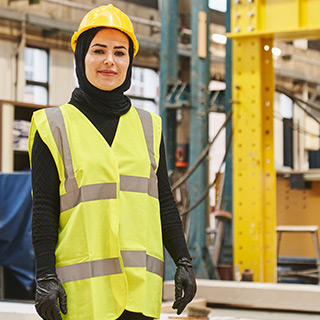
(282, 19)
(254, 25)
(254, 175)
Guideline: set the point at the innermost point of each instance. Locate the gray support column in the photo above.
(226, 253)
(168, 78)
(169, 72)
(199, 132)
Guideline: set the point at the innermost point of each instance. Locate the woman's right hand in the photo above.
(48, 290)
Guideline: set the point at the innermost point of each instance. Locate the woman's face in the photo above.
(107, 59)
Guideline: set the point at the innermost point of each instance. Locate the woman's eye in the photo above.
(98, 51)
(119, 53)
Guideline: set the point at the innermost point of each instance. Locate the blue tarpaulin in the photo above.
(16, 251)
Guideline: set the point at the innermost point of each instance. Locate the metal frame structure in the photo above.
(169, 73)
(254, 25)
(226, 254)
(199, 133)
(199, 105)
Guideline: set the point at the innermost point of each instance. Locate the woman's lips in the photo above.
(107, 72)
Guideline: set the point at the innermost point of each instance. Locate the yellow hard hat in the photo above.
(109, 17)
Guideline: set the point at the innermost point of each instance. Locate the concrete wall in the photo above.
(7, 66)
(62, 79)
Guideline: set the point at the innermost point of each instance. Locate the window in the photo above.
(144, 90)
(36, 69)
(219, 5)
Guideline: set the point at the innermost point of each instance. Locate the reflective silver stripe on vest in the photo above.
(147, 125)
(154, 265)
(74, 195)
(133, 183)
(59, 132)
(141, 259)
(92, 192)
(89, 269)
(139, 184)
(153, 185)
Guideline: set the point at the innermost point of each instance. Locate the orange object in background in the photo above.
(182, 156)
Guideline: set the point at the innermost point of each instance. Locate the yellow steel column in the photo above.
(254, 23)
(268, 166)
(254, 175)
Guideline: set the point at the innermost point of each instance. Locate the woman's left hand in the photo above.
(185, 282)
(50, 297)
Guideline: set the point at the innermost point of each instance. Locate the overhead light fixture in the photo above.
(219, 38)
(276, 51)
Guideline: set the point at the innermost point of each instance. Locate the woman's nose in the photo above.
(109, 60)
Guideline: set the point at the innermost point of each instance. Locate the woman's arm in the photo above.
(174, 240)
(46, 207)
(172, 232)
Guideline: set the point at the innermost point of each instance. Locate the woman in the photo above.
(103, 206)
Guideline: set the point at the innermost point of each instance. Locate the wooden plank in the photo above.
(166, 307)
(24, 104)
(202, 34)
(256, 295)
(188, 318)
(297, 228)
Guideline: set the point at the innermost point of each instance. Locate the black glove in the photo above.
(185, 281)
(48, 290)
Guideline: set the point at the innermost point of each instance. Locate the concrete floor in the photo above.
(26, 311)
(244, 314)
(18, 311)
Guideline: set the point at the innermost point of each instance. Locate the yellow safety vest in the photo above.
(109, 254)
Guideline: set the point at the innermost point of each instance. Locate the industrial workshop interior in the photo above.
(237, 86)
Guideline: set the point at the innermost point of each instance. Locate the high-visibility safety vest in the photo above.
(109, 255)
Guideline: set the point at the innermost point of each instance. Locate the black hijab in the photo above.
(110, 103)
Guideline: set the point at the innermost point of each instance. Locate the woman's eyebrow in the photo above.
(120, 47)
(99, 45)
(104, 46)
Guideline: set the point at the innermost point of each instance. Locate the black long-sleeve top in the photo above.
(46, 200)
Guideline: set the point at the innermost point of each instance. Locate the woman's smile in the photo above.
(107, 72)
